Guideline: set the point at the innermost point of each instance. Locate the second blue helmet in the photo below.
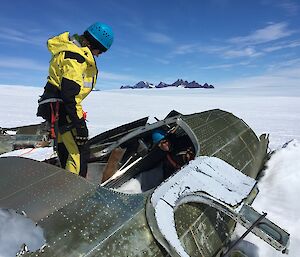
(158, 135)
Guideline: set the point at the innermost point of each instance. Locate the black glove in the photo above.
(82, 133)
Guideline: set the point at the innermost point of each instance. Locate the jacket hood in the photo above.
(62, 43)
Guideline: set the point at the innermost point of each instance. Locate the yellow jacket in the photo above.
(73, 71)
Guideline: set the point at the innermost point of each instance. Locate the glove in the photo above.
(82, 133)
(190, 155)
(187, 155)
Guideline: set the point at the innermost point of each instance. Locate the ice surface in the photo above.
(16, 229)
(279, 193)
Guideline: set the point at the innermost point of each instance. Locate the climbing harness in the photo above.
(54, 119)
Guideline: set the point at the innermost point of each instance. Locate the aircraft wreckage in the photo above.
(191, 213)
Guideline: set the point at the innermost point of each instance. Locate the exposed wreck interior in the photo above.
(132, 158)
(24, 137)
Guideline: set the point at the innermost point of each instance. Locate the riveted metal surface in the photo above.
(211, 231)
(201, 229)
(229, 138)
(38, 188)
(190, 212)
(190, 245)
(101, 223)
(81, 219)
(185, 218)
(134, 239)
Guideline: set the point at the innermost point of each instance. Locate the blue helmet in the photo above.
(102, 33)
(158, 135)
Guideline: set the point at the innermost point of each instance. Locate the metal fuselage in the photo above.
(80, 218)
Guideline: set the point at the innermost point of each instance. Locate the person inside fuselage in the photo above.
(174, 151)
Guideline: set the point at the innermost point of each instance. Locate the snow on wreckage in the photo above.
(191, 213)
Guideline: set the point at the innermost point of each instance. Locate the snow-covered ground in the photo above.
(265, 109)
(273, 110)
(278, 196)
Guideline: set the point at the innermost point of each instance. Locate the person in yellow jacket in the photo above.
(72, 76)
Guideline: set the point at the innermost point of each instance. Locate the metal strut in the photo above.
(245, 234)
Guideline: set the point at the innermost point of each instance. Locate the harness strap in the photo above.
(54, 117)
(84, 115)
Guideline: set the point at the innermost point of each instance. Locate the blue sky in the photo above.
(221, 42)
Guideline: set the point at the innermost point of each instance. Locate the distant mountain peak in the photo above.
(177, 83)
(143, 84)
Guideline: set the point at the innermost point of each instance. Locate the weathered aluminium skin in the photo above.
(80, 218)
